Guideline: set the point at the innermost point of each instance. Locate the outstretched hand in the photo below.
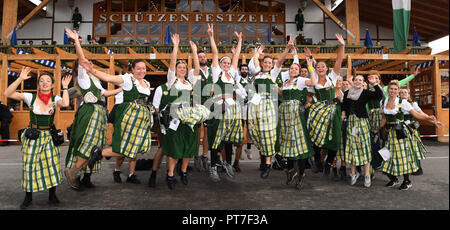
(260, 50)
(210, 30)
(238, 35)
(175, 39)
(417, 72)
(25, 73)
(340, 39)
(87, 65)
(72, 34)
(193, 47)
(66, 81)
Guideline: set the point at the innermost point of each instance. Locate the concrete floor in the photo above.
(246, 192)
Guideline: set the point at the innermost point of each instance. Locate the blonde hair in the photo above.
(394, 82)
(374, 72)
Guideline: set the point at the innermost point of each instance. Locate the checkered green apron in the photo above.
(402, 160)
(132, 127)
(416, 142)
(358, 147)
(40, 157)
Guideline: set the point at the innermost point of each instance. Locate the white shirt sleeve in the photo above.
(333, 76)
(406, 106)
(296, 61)
(83, 78)
(171, 77)
(216, 71)
(274, 73)
(252, 69)
(285, 76)
(118, 99)
(301, 82)
(310, 89)
(28, 98)
(416, 107)
(157, 97)
(57, 98)
(127, 83)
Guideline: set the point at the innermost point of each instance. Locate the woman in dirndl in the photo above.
(295, 144)
(180, 132)
(90, 124)
(358, 145)
(417, 144)
(41, 157)
(262, 106)
(133, 119)
(324, 120)
(402, 159)
(225, 126)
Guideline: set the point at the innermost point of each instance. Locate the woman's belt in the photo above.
(102, 103)
(138, 101)
(332, 101)
(40, 127)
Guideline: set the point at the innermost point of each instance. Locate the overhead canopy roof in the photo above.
(24, 8)
(430, 17)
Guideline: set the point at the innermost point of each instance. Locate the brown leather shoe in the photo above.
(72, 177)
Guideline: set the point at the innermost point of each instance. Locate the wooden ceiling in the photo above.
(24, 7)
(430, 17)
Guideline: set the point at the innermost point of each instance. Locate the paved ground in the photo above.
(246, 192)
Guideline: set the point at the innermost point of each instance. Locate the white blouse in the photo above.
(36, 108)
(172, 81)
(300, 81)
(129, 80)
(406, 107)
(331, 81)
(84, 80)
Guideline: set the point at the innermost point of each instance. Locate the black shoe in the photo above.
(53, 200)
(171, 181)
(262, 166)
(26, 203)
(152, 180)
(405, 185)
(184, 178)
(335, 175)
(299, 182)
(291, 175)
(116, 176)
(266, 172)
(418, 172)
(96, 155)
(392, 183)
(133, 179)
(86, 181)
(326, 169)
(343, 173)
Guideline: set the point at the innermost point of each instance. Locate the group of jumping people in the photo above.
(295, 115)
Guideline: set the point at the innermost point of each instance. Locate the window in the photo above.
(100, 29)
(196, 6)
(183, 5)
(128, 6)
(115, 29)
(116, 5)
(197, 29)
(224, 5)
(128, 29)
(210, 5)
(171, 5)
(142, 29)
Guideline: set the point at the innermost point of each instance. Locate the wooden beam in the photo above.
(31, 6)
(32, 14)
(334, 18)
(394, 63)
(124, 63)
(150, 66)
(352, 20)
(4, 77)
(163, 61)
(375, 63)
(9, 19)
(385, 72)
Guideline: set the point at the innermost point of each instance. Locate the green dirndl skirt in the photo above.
(262, 124)
(88, 130)
(402, 160)
(132, 130)
(358, 147)
(226, 129)
(324, 125)
(375, 117)
(41, 163)
(294, 136)
(181, 143)
(418, 146)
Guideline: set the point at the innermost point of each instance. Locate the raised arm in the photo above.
(113, 92)
(237, 51)
(89, 67)
(340, 54)
(215, 52)
(196, 63)
(173, 57)
(258, 52)
(313, 80)
(73, 34)
(286, 51)
(65, 88)
(10, 92)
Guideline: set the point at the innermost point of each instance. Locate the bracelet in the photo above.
(65, 89)
(310, 69)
